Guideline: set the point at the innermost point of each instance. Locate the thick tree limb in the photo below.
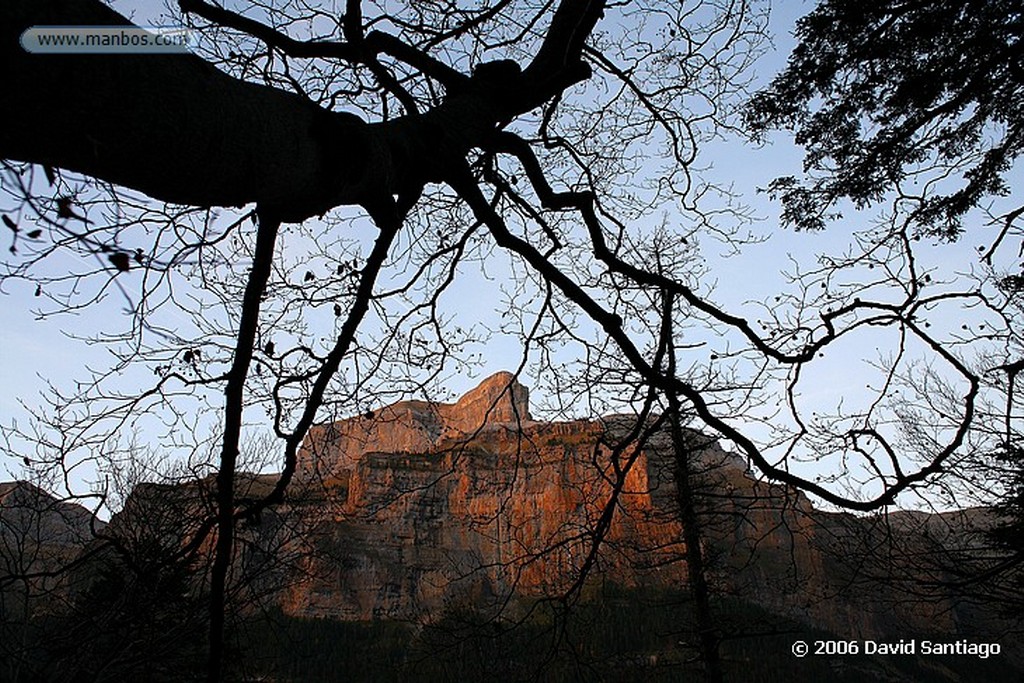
(177, 129)
(172, 126)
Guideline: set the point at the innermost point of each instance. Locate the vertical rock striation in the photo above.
(428, 506)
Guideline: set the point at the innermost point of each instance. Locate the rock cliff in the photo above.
(39, 535)
(420, 508)
(424, 507)
(332, 451)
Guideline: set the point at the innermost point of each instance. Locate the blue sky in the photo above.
(36, 350)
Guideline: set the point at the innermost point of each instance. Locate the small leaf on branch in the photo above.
(64, 210)
(10, 223)
(120, 261)
(35, 234)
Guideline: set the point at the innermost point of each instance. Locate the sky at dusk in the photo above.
(41, 349)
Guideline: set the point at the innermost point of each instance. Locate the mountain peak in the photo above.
(499, 398)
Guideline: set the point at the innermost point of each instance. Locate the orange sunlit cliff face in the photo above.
(436, 504)
(425, 507)
(420, 509)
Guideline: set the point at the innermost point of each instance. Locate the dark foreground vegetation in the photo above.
(611, 635)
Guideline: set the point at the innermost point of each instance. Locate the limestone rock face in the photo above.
(39, 535)
(473, 521)
(424, 507)
(331, 451)
(28, 511)
(420, 508)
(499, 399)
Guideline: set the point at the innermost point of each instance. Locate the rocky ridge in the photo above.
(39, 535)
(420, 509)
(424, 507)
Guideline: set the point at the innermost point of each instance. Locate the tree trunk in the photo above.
(695, 565)
(234, 400)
